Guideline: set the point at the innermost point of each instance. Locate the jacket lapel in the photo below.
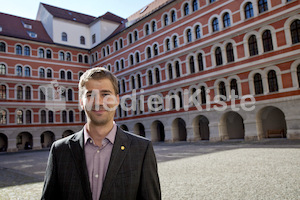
(119, 151)
(77, 148)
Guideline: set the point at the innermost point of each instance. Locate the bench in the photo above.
(275, 133)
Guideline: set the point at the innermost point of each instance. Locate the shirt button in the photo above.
(91, 141)
(96, 176)
(98, 151)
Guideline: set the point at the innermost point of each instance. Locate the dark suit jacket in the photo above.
(131, 174)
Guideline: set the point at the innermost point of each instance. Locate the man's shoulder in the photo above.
(66, 140)
(135, 137)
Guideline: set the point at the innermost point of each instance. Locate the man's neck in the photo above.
(98, 133)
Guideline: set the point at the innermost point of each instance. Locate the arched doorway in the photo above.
(157, 131)
(139, 129)
(201, 128)
(24, 141)
(3, 142)
(179, 130)
(271, 119)
(67, 133)
(232, 126)
(47, 138)
(124, 127)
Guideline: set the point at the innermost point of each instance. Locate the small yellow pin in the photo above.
(122, 148)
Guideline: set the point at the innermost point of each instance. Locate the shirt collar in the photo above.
(110, 136)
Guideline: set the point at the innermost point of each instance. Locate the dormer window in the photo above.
(64, 37)
(28, 26)
(32, 34)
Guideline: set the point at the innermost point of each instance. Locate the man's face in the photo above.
(99, 100)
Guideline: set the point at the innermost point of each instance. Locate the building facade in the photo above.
(188, 70)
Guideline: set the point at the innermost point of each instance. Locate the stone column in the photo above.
(214, 135)
(189, 133)
(250, 130)
(36, 143)
(168, 134)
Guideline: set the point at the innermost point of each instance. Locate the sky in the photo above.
(29, 8)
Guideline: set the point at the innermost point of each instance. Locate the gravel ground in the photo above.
(188, 171)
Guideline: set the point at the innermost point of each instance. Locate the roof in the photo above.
(18, 27)
(112, 17)
(68, 14)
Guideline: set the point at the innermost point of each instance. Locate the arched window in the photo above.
(218, 55)
(179, 94)
(28, 116)
(86, 59)
(192, 65)
(64, 37)
(170, 71)
(252, 43)
(215, 25)
(298, 75)
(121, 43)
(19, 92)
(42, 73)
(41, 53)
(42, 94)
(43, 116)
(195, 5)
(226, 20)
(157, 75)
(168, 45)
(27, 72)
(150, 78)
(132, 82)
(68, 57)
(222, 91)
(82, 40)
(19, 71)
(70, 95)
(80, 59)
(139, 81)
(117, 66)
(262, 6)
(19, 50)
(267, 41)
(248, 11)
(136, 36)
(258, 85)
(295, 31)
(122, 64)
(155, 49)
(123, 86)
(64, 116)
(173, 16)
(131, 60)
(116, 46)
(189, 35)
(148, 52)
(166, 20)
(197, 32)
(107, 50)
(137, 57)
(19, 117)
(49, 73)
(272, 81)
(229, 52)
(203, 95)
(147, 29)
(61, 55)
(234, 86)
(177, 69)
(2, 47)
(3, 117)
(27, 51)
(130, 38)
(153, 26)
(69, 75)
(49, 54)
(200, 62)
(186, 9)
(175, 41)
(27, 93)
(50, 116)
(103, 52)
(2, 92)
(2, 69)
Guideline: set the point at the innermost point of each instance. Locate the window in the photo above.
(62, 75)
(258, 85)
(175, 42)
(69, 57)
(121, 43)
(70, 95)
(32, 34)
(148, 52)
(19, 50)
(177, 69)
(166, 20)
(19, 117)
(272, 81)
(215, 25)
(42, 94)
(168, 45)
(2, 47)
(295, 31)
(170, 71)
(150, 78)
(3, 117)
(80, 59)
(173, 16)
(130, 38)
(267, 41)
(226, 20)
(64, 116)
(139, 81)
(157, 75)
(252, 42)
(200, 62)
(249, 11)
(2, 69)
(107, 50)
(27, 71)
(298, 75)
(20, 92)
(211, 1)
(28, 117)
(203, 95)
(234, 86)
(71, 116)
(218, 55)
(229, 53)
(197, 32)
(42, 73)
(189, 35)
(41, 53)
(2, 92)
(123, 86)
(131, 59)
(136, 36)
(49, 73)
(186, 9)
(195, 5)
(50, 116)
(27, 93)
(49, 54)
(116, 46)
(27, 51)
(192, 65)
(262, 6)
(86, 59)
(43, 116)
(222, 91)
(82, 40)
(19, 71)
(93, 38)
(122, 64)
(132, 82)
(64, 37)
(137, 57)
(155, 49)
(147, 30)
(153, 26)
(117, 66)
(61, 55)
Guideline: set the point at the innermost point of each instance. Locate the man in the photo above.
(101, 161)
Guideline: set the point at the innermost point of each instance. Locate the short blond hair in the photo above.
(97, 73)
